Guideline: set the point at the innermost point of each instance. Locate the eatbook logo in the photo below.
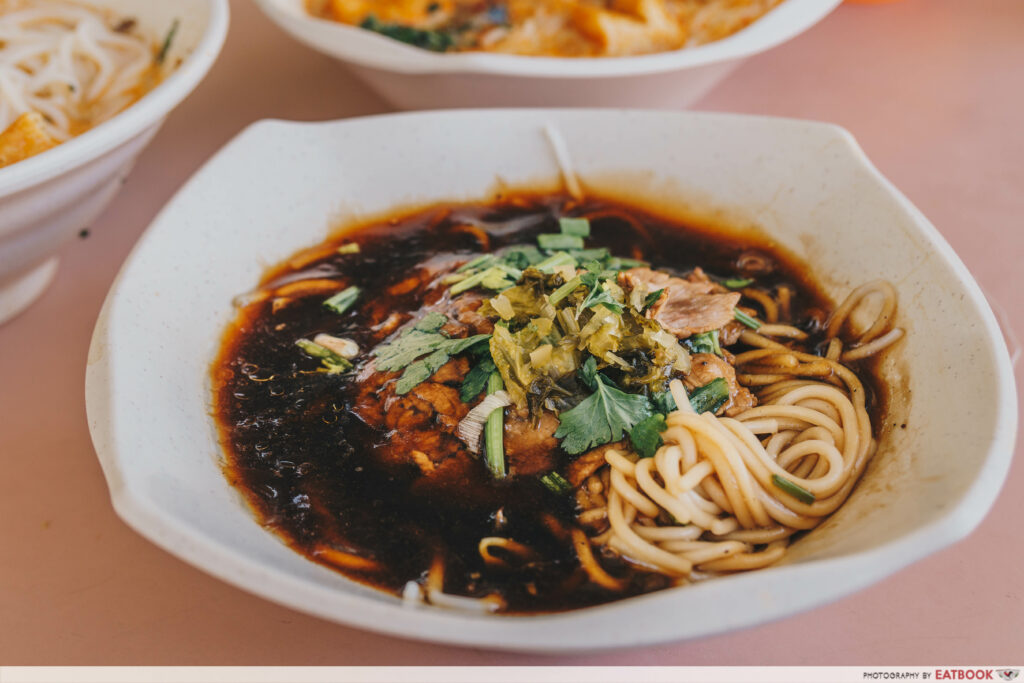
(1008, 674)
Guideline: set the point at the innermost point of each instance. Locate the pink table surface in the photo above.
(932, 90)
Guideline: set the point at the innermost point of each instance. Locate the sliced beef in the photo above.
(707, 367)
(685, 308)
(463, 318)
(420, 425)
(582, 467)
(530, 448)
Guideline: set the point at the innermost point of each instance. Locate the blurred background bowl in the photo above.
(413, 78)
(48, 198)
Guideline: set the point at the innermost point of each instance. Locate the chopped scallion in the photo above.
(793, 489)
(738, 283)
(559, 241)
(343, 300)
(469, 283)
(479, 262)
(494, 432)
(705, 342)
(575, 226)
(330, 360)
(350, 248)
(626, 263)
(750, 322)
(710, 397)
(565, 290)
(557, 259)
(556, 483)
(168, 39)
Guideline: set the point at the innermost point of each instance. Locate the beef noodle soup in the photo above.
(540, 404)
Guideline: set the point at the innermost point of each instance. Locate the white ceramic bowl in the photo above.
(411, 78)
(48, 198)
(279, 187)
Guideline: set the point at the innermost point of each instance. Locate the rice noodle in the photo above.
(65, 61)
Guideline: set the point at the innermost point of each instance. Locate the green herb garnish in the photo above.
(559, 258)
(710, 397)
(575, 226)
(343, 300)
(746, 319)
(555, 241)
(705, 342)
(165, 47)
(435, 41)
(793, 489)
(479, 262)
(424, 339)
(652, 299)
(494, 432)
(599, 296)
(664, 402)
(601, 418)
(556, 483)
(626, 263)
(476, 379)
(331, 361)
(646, 435)
(738, 283)
(565, 290)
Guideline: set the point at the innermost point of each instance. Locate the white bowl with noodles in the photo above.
(47, 198)
(414, 78)
(281, 187)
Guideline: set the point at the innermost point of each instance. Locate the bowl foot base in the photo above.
(18, 293)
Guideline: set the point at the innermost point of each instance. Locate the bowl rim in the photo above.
(125, 125)
(557, 632)
(365, 48)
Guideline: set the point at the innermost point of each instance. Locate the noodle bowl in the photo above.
(64, 68)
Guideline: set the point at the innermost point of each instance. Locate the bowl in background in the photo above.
(48, 198)
(281, 187)
(412, 78)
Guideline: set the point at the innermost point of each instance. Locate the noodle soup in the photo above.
(554, 28)
(66, 67)
(543, 404)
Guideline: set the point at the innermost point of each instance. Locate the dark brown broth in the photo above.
(306, 463)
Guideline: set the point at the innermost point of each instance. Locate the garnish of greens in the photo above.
(165, 47)
(567, 339)
(793, 489)
(435, 41)
(601, 418)
(343, 300)
(750, 322)
(494, 432)
(421, 351)
(332, 362)
(705, 342)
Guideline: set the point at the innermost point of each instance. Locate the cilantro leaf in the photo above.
(411, 345)
(588, 373)
(601, 418)
(646, 435)
(420, 371)
(423, 339)
(431, 322)
(476, 379)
